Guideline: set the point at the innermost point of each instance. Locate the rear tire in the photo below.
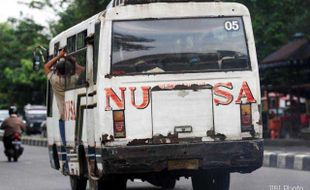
(211, 181)
(78, 183)
(108, 184)
(168, 183)
(120, 184)
(95, 185)
(164, 181)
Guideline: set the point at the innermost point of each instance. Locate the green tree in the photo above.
(275, 22)
(19, 84)
(75, 12)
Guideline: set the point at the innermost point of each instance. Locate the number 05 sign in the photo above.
(232, 25)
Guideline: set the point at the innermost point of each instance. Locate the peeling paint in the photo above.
(217, 136)
(107, 138)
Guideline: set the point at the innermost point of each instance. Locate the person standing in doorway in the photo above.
(59, 70)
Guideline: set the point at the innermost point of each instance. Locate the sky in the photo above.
(12, 8)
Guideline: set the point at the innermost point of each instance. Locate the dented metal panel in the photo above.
(235, 156)
(191, 106)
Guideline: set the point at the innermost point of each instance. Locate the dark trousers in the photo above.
(7, 142)
(62, 131)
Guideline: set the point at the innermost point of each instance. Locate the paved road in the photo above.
(32, 172)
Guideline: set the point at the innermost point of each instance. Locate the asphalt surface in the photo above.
(289, 149)
(33, 172)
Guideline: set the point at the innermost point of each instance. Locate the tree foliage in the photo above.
(19, 84)
(275, 22)
(76, 12)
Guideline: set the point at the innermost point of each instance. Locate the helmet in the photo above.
(64, 67)
(12, 110)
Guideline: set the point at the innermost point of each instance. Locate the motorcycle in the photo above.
(15, 149)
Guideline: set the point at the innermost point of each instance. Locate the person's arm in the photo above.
(50, 63)
(22, 125)
(3, 125)
(78, 68)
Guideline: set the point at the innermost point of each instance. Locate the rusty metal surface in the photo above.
(217, 136)
(106, 138)
(244, 156)
(161, 139)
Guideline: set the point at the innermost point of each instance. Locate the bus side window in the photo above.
(56, 48)
(76, 54)
(96, 50)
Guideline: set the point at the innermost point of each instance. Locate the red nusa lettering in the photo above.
(221, 91)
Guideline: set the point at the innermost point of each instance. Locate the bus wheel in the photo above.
(162, 180)
(108, 184)
(211, 181)
(120, 184)
(168, 183)
(113, 184)
(95, 184)
(78, 183)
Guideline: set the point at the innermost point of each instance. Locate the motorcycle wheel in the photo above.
(15, 158)
(9, 159)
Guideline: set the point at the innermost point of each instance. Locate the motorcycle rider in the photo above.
(11, 126)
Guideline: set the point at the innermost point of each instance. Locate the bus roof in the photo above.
(132, 2)
(121, 3)
(76, 28)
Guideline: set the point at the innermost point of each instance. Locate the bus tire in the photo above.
(78, 183)
(211, 181)
(83, 162)
(95, 184)
(168, 183)
(108, 184)
(113, 184)
(164, 182)
(55, 157)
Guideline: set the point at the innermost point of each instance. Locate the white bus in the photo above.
(171, 89)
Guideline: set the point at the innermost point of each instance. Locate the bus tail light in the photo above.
(246, 117)
(119, 124)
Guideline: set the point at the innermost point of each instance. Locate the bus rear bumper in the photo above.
(235, 156)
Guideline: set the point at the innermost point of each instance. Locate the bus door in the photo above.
(92, 61)
(76, 88)
(90, 111)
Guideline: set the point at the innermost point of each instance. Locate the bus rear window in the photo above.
(179, 45)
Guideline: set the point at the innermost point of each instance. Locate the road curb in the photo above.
(286, 142)
(34, 142)
(287, 160)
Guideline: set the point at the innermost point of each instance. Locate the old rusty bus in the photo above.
(171, 89)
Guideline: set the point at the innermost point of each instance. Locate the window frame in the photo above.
(96, 50)
(78, 51)
(249, 68)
